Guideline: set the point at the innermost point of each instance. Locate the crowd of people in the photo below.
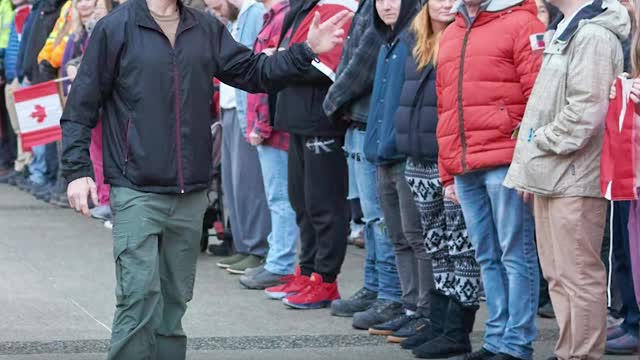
(461, 140)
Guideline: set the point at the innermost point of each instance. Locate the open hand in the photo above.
(78, 194)
(323, 37)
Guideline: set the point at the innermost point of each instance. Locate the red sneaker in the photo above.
(318, 294)
(292, 284)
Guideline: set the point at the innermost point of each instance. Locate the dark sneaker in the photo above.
(546, 312)
(101, 212)
(410, 329)
(230, 260)
(624, 345)
(615, 332)
(255, 270)
(380, 312)
(6, 175)
(502, 356)
(260, 280)
(360, 301)
(248, 262)
(481, 354)
(391, 326)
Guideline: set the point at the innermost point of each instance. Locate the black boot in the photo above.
(438, 316)
(455, 340)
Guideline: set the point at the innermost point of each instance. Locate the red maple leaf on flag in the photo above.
(39, 114)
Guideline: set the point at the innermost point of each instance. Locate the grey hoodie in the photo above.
(560, 139)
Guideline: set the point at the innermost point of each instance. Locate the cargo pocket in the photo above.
(120, 245)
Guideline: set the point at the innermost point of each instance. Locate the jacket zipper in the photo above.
(463, 138)
(178, 124)
(126, 147)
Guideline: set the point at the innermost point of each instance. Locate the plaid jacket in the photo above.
(349, 95)
(258, 104)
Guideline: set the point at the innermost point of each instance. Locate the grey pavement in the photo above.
(57, 300)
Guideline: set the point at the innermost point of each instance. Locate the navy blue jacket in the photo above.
(417, 114)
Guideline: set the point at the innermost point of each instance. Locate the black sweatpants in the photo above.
(318, 187)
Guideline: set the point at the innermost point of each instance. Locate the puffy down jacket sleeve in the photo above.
(588, 84)
(445, 177)
(91, 86)
(527, 60)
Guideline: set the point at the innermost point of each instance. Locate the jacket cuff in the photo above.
(78, 174)
(448, 181)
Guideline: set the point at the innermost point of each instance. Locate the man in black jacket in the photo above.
(153, 86)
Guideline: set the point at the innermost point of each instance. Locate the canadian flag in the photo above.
(39, 110)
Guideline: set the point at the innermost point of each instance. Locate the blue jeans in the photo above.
(38, 166)
(283, 240)
(380, 273)
(501, 228)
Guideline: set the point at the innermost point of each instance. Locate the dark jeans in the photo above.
(621, 267)
(318, 188)
(401, 215)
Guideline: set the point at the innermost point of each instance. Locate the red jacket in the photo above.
(485, 75)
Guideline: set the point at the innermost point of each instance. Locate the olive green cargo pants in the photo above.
(156, 242)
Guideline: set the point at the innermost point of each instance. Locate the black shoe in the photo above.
(18, 176)
(481, 354)
(412, 328)
(547, 312)
(391, 326)
(502, 356)
(438, 316)
(361, 301)
(455, 339)
(380, 312)
(6, 176)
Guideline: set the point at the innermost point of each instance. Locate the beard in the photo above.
(234, 11)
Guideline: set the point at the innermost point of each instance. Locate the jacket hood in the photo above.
(408, 9)
(606, 13)
(494, 6)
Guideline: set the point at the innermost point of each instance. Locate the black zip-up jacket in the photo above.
(417, 114)
(45, 13)
(299, 104)
(155, 98)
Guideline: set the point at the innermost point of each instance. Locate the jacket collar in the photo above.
(143, 16)
(588, 12)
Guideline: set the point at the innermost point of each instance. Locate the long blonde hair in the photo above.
(427, 40)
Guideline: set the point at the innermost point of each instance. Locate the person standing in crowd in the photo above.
(87, 13)
(37, 27)
(557, 160)
(21, 11)
(454, 301)
(476, 138)
(317, 171)
(272, 147)
(49, 63)
(160, 89)
(623, 339)
(348, 100)
(248, 210)
(391, 20)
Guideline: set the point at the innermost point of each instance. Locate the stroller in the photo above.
(215, 217)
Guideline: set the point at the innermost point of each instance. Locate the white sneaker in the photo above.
(108, 224)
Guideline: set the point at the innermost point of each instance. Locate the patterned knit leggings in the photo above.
(455, 270)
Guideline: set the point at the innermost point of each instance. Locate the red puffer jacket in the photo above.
(485, 74)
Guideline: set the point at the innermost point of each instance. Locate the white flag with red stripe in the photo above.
(39, 110)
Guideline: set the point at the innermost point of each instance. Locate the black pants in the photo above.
(318, 187)
(621, 267)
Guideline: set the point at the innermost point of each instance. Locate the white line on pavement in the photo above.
(91, 316)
